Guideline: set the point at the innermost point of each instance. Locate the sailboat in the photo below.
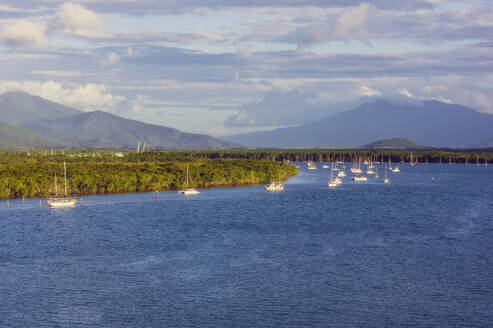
(386, 178)
(376, 174)
(332, 183)
(356, 168)
(390, 164)
(411, 161)
(188, 191)
(64, 201)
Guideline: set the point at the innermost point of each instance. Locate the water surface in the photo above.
(416, 252)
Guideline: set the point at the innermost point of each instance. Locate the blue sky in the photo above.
(230, 66)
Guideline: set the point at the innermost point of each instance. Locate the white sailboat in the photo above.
(386, 178)
(188, 191)
(65, 201)
(376, 174)
(356, 167)
(311, 165)
(332, 183)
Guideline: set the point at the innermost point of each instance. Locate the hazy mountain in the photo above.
(394, 143)
(13, 137)
(427, 122)
(485, 143)
(97, 129)
(18, 108)
(104, 130)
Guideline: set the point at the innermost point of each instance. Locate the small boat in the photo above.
(360, 178)
(396, 169)
(325, 166)
(274, 186)
(65, 201)
(376, 173)
(188, 191)
(386, 178)
(332, 183)
(356, 167)
(311, 166)
(341, 174)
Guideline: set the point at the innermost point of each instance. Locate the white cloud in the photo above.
(113, 57)
(140, 101)
(352, 23)
(22, 33)
(405, 92)
(73, 18)
(90, 96)
(369, 92)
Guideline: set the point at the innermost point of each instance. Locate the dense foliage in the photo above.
(32, 175)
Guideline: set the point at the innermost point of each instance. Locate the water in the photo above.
(416, 252)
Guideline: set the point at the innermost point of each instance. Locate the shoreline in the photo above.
(147, 191)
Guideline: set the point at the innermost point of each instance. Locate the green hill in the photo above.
(13, 137)
(394, 143)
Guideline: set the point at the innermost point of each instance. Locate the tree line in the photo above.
(33, 175)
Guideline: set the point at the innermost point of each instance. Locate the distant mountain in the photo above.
(13, 137)
(104, 130)
(394, 143)
(74, 128)
(18, 108)
(426, 122)
(485, 143)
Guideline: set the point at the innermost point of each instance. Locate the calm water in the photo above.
(416, 252)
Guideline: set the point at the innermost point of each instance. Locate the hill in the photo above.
(13, 137)
(394, 143)
(98, 129)
(17, 108)
(427, 122)
(104, 130)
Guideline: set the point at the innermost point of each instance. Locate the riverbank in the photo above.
(32, 176)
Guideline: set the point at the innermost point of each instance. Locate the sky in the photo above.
(230, 66)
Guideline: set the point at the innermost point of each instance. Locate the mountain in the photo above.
(104, 130)
(430, 122)
(13, 137)
(485, 143)
(74, 128)
(17, 108)
(394, 143)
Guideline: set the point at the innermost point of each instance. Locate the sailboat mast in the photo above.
(187, 176)
(56, 191)
(65, 173)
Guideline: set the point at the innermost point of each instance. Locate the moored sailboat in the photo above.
(188, 191)
(64, 201)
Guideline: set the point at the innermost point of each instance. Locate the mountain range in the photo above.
(31, 121)
(429, 122)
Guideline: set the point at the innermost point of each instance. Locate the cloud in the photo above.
(279, 108)
(405, 92)
(91, 96)
(73, 18)
(21, 33)
(370, 92)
